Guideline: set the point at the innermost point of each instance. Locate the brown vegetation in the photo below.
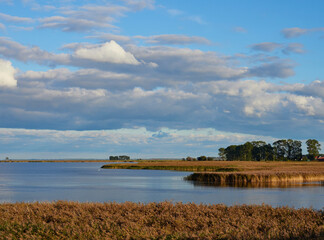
(241, 166)
(256, 180)
(237, 172)
(71, 220)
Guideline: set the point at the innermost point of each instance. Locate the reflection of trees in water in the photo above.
(257, 184)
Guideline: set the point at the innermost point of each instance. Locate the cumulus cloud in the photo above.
(7, 74)
(296, 31)
(110, 52)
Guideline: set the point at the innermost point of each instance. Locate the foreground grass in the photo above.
(71, 220)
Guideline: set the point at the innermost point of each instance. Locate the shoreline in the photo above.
(237, 172)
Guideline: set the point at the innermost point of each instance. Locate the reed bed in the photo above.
(217, 166)
(274, 179)
(165, 220)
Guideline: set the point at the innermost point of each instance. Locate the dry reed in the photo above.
(72, 220)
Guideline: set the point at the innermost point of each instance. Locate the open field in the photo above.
(237, 171)
(72, 220)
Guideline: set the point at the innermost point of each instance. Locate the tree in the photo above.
(232, 153)
(281, 149)
(295, 150)
(257, 151)
(287, 149)
(221, 153)
(202, 158)
(313, 148)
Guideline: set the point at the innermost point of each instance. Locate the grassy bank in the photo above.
(71, 220)
(256, 179)
(237, 172)
(224, 166)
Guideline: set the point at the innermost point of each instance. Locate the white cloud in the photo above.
(109, 52)
(7, 74)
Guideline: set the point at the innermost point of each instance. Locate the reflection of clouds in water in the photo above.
(6, 194)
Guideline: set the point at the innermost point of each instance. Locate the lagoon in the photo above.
(87, 182)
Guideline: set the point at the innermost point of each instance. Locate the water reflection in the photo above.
(257, 184)
(87, 182)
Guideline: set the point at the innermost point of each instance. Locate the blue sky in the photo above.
(89, 79)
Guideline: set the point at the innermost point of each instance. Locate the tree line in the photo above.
(281, 150)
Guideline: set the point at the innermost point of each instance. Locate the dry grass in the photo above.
(214, 166)
(237, 172)
(256, 180)
(71, 220)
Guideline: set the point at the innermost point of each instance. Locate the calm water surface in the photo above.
(87, 182)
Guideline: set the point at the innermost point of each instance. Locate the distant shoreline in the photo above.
(64, 160)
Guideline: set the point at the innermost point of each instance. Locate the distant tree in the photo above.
(221, 153)
(247, 151)
(231, 153)
(287, 149)
(295, 151)
(313, 148)
(280, 149)
(202, 158)
(190, 159)
(257, 150)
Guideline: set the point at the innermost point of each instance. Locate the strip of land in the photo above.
(236, 172)
(63, 160)
(73, 220)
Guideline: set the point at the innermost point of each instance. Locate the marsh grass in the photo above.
(237, 173)
(257, 179)
(224, 166)
(73, 220)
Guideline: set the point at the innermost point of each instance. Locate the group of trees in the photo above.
(281, 150)
(123, 157)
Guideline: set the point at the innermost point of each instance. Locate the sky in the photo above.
(157, 79)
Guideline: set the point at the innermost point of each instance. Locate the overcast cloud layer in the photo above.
(95, 89)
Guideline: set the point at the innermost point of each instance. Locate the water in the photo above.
(87, 182)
